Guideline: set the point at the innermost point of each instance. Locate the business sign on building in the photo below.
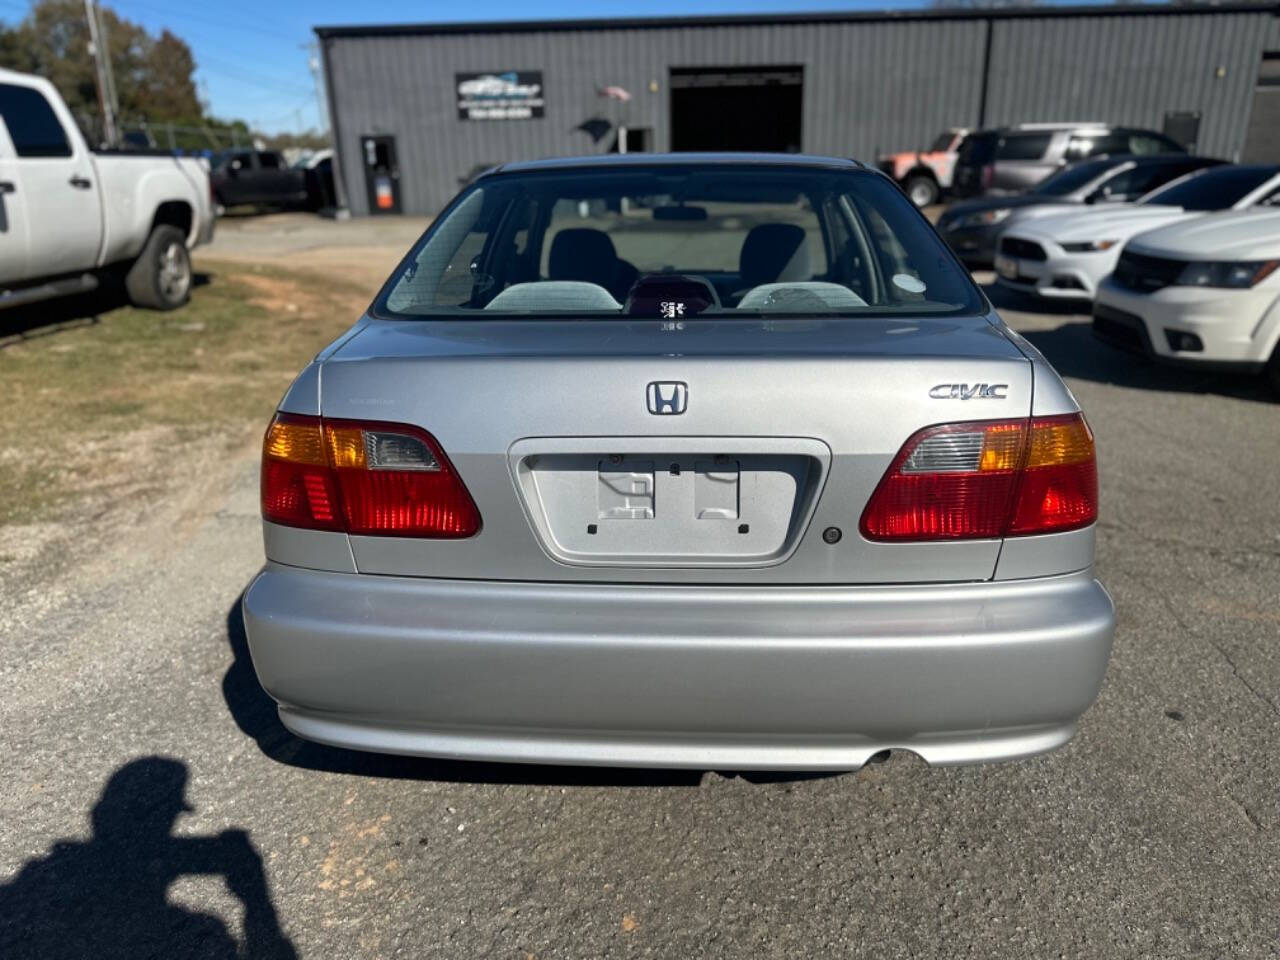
(513, 95)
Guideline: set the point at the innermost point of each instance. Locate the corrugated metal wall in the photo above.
(1130, 70)
(1273, 35)
(869, 85)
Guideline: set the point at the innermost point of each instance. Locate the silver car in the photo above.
(712, 461)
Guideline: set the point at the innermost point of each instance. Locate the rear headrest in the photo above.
(580, 253)
(774, 252)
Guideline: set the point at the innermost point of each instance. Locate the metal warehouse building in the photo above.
(417, 109)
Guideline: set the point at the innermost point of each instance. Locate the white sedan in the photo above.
(1203, 292)
(1065, 257)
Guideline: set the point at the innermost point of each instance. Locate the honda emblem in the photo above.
(667, 397)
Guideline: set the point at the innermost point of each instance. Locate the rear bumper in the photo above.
(695, 676)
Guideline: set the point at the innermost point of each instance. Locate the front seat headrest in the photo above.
(774, 252)
(580, 253)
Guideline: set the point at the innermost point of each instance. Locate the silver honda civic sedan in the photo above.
(713, 461)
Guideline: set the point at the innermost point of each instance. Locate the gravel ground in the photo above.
(128, 689)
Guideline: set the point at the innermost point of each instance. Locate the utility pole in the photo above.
(104, 38)
(313, 62)
(102, 74)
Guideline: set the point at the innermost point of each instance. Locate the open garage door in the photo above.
(730, 108)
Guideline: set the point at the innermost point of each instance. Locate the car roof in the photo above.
(610, 160)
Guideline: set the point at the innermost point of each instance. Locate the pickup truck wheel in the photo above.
(922, 190)
(161, 276)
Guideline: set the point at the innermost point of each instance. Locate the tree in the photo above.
(153, 75)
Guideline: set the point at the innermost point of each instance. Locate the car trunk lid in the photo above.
(783, 430)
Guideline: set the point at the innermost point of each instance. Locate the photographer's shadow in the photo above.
(107, 897)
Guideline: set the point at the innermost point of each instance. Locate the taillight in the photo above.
(988, 479)
(370, 478)
(298, 488)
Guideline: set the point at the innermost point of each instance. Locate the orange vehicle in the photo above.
(926, 175)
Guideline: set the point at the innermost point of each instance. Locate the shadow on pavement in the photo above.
(106, 897)
(1002, 298)
(255, 714)
(67, 313)
(1075, 352)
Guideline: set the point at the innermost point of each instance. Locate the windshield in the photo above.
(1073, 178)
(676, 242)
(943, 142)
(1215, 189)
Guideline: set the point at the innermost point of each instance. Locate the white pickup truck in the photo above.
(70, 217)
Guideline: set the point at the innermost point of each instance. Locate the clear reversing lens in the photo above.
(946, 453)
(396, 451)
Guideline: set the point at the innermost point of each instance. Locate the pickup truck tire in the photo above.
(161, 276)
(922, 189)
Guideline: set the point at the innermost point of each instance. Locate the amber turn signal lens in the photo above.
(295, 439)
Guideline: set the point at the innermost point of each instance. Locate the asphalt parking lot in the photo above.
(128, 692)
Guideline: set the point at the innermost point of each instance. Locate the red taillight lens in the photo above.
(379, 479)
(1059, 488)
(298, 488)
(987, 479)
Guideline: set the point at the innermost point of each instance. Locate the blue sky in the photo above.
(253, 57)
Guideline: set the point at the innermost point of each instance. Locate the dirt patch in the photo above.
(110, 425)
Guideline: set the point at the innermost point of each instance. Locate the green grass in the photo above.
(93, 405)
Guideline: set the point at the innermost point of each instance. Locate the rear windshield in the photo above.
(1215, 189)
(679, 242)
(1074, 177)
(1023, 146)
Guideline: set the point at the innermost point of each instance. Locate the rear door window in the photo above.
(1134, 182)
(1152, 143)
(1023, 146)
(32, 124)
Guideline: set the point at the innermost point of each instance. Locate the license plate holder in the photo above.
(687, 501)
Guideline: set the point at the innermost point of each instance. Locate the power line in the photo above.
(214, 22)
(236, 71)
